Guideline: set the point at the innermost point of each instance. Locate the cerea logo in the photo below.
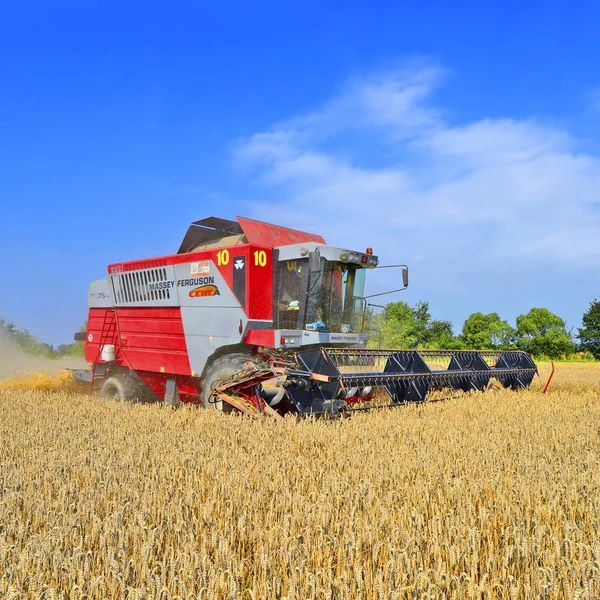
(204, 290)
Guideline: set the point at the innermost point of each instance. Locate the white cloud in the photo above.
(382, 165)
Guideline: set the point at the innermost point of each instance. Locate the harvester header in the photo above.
(259, 318)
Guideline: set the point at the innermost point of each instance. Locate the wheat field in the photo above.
(483, 496)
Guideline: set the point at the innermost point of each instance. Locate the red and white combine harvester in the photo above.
(262, 319)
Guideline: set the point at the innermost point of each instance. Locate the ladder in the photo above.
(109, 327)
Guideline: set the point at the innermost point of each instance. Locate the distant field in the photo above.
(481, 496)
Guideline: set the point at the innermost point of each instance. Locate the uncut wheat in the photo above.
(482, 496)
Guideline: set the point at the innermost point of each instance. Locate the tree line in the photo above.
(402, 325)
(539, 332)
(30, 343)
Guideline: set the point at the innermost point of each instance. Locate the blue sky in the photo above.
(461, 138)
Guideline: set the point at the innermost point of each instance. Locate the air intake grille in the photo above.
(145, 286)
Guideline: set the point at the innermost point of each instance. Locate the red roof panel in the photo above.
(265, 234)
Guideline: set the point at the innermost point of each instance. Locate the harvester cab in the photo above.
(320, 294)
(261, 319)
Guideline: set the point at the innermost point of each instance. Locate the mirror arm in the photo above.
(385, 293)
(389, 266)
(404, 280)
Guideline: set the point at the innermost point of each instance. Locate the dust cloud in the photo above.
(15, 363)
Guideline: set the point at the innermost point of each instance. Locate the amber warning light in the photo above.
(369, 251)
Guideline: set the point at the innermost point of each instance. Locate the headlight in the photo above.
(351, 257)
(344, 256)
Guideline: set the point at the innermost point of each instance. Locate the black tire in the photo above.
(222, 368)
(122, 388)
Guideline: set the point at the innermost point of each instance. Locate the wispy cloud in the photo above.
(382, 161)
(593, 99)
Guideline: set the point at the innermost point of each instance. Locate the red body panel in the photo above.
(177, 259)
(261, 337)
(145, 339)
(152, 339)
(94, 332)
(260, 284)
(189, 387)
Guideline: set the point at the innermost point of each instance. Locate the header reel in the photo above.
(332, 380)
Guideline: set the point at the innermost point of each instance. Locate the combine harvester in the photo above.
(262, 319)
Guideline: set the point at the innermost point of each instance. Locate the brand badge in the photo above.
(204, 291)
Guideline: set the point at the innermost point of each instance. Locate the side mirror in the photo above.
(314, 261)
(404, 280)
(360, 305)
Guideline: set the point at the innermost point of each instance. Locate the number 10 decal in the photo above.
(260, 258)
(223, 257)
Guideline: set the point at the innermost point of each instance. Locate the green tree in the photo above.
(405, 326)
(402, 325)
(589, 334)
(441, 336)
(24, 340)
(7, 329)
(31, 343)
(78, 348)
(485, 332)
(543, 333)
(373, 326)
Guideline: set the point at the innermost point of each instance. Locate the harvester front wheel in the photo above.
(121, 388)
(222, 369)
